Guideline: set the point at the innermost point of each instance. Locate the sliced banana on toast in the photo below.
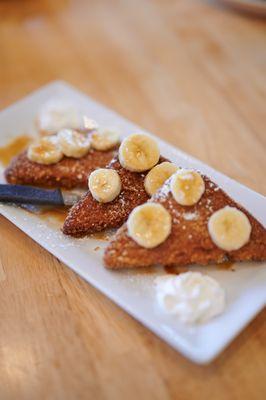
(104, 139)
(104, 184)
(187, 187)
(149, 225)
(229, 228)
(72, 143)
(158, 175)
(45, 151)
(139, 153)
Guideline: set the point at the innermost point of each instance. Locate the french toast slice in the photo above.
(189, 241)
(90, 216)
(68, 173)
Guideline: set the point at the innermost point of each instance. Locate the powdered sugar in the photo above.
(190, 216)
(163, 192)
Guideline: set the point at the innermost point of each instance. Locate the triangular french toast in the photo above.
(67, 173)
(189, 241)
(90, 216)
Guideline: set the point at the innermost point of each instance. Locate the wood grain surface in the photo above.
(194, 73)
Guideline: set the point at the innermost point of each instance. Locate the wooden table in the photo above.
(195, 74)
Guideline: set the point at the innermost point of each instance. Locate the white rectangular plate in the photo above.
(134, 290)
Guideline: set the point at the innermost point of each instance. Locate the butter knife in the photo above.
(21, 194)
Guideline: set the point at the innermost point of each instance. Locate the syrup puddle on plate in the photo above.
(55, 217)
(13, 148)
(56, 214)
(175, 269)
(227, 266)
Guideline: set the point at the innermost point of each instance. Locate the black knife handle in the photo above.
(30, 195)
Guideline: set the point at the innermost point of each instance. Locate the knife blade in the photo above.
(20, 194)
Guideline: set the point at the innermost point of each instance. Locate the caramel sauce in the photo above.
(57, 214)
(175, 269)
(226, 265)
(13, 148)
(135, 272)
(145, 270)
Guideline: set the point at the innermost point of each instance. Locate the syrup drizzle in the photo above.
(13, 148)
(226, 266)
(56, 217)
(57, 214)
(175, 269)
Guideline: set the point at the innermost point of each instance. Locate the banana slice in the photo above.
(138, 153)
(229, 228)
(104, 140)
(149, 225)
(104, 184)
(72, 143)
(158, 175)
(45, 151)
(51, 139)
(187, 187)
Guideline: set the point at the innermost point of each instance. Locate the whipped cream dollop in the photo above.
(59, 113)
(192, 297)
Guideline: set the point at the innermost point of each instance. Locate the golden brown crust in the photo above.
(68, 173)
(89, 216)
(189, 241)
